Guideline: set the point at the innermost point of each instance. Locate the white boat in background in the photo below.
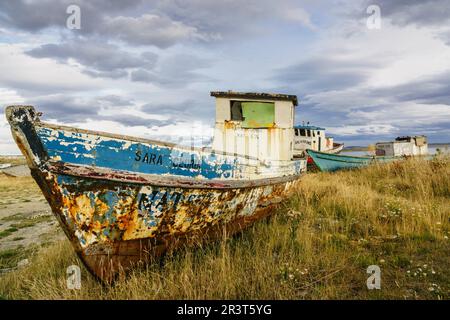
(308, 137)
(403, 146)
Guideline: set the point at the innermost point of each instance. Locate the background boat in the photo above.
(337, 148)
(401, 148)
(333, 162)
(307, 137)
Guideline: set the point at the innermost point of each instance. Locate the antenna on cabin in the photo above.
(307, 123)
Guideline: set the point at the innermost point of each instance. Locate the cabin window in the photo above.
(296, 132)
(308, 132)
(236, 111)
(303, 132)
(258, 114)
(313, 133)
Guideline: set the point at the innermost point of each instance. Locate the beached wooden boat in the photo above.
(333, 162)
(123, 200)
(401, 148)
(311, 165)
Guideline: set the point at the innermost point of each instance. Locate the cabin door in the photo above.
(320, 143)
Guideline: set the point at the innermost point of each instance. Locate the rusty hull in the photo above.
(113, 225)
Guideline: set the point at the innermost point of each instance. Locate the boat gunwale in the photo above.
(161, 180)
(104, 173)
(107, 174)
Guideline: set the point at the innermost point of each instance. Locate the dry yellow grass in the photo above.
(13, 160)
(18, 190)
(317, 246)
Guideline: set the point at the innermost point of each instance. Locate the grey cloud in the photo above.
(67, 108)
(130, 120)
(161, 23)
(32, 16)
(432, 14)
(100, 59)
(64, 108)
(142, 76)
(324, 74)
(308, 111)
(187, 110)
(32, 87)
(220, 19)
(37, 15)
(428, 90)
(116, 101)
(114, 74)
(445, 36)
(148, 29)
(99, 18)
(174, 71)
(417, 12)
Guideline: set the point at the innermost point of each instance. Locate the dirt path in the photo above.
(26, 221)
(26, 224)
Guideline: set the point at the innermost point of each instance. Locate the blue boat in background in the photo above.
(333, 162)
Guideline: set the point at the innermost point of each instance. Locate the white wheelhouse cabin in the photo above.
(313, 138)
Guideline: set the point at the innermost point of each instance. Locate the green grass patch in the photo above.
(14, 217)
(10, 257)
(7, 232)
(31, 222)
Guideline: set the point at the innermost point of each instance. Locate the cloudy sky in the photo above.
(146, 68)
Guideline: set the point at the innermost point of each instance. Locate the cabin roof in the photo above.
(402, 138)
(308, 127)
(255, 95)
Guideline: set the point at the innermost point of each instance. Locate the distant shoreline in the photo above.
(362, 148)
(439, 144)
